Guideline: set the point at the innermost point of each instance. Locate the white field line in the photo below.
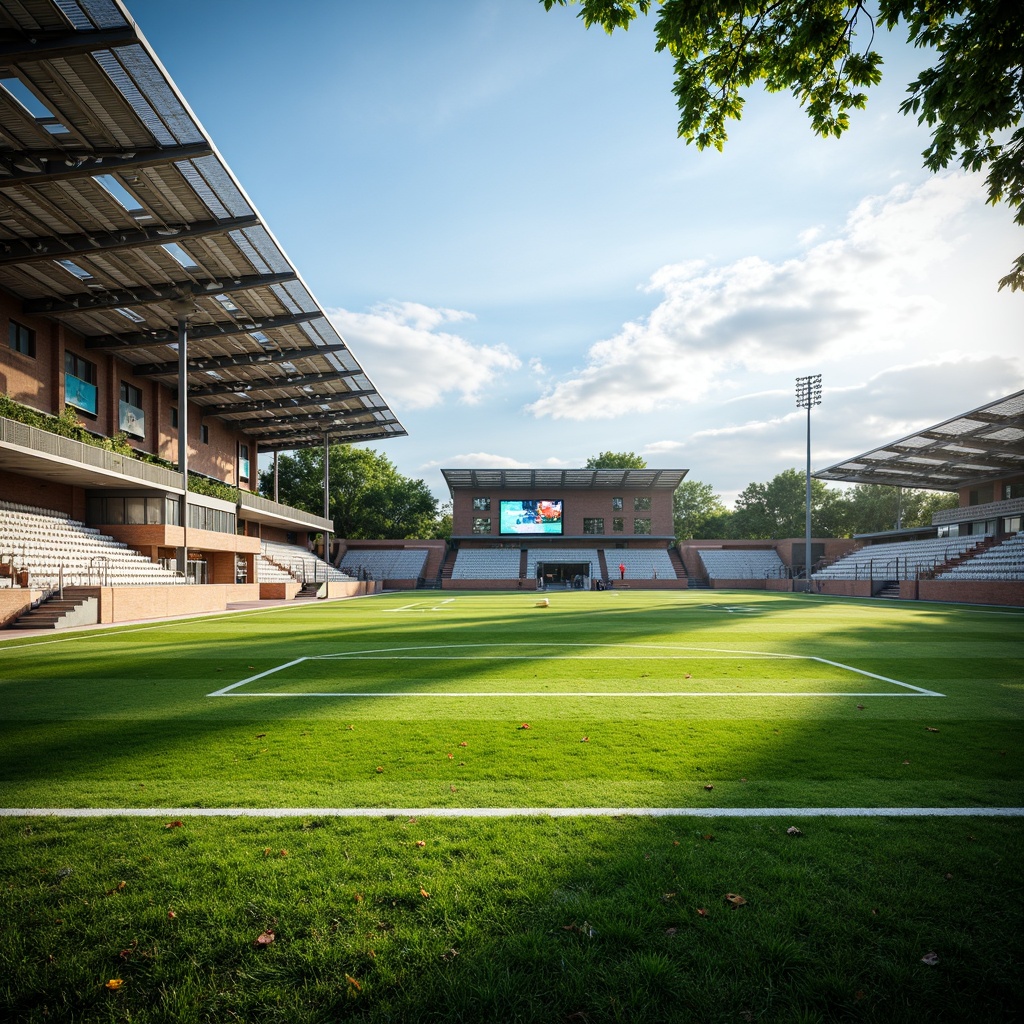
(682, 654)
(570, 693)
(511, 812)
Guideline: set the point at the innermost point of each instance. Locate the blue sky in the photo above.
(492, 204)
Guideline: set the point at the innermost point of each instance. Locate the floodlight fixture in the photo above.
(808, 395)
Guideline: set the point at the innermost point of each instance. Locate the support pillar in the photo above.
(184, 309)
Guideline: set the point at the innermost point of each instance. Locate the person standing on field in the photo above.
(622, 570)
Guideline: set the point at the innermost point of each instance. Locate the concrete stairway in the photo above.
(56, 613)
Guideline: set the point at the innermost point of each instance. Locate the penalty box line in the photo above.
(916, 691)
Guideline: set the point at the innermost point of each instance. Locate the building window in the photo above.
(981, 495)
(204, 433)
(618, 524)
(641, 504)
(1011, 524)
(481, 524)
(641, 526)
(130, 417)
(593, 525)
(22, 339)
(1013, 490)
(481, 504)
(174, 417)
(243, 462)
(616, 504)
(80, 383)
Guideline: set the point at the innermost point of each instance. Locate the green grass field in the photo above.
(416, 703)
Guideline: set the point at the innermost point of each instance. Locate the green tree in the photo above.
(971, 98)
(369, 498)
(696, 509)
(872, 508)
(777, 509)
(616, 460)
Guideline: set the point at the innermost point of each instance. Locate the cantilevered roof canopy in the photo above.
(558, 479)
(115, 205)
(973, 448)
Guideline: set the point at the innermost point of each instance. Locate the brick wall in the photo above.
(38, 382)
(580, 504)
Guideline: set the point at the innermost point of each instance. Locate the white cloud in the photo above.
(911, 276)
(416, 364)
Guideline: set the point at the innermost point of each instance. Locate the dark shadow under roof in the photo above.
(972, 448)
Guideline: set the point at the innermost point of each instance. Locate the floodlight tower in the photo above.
(808, 394)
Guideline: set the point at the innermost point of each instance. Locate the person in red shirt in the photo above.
(622, 570)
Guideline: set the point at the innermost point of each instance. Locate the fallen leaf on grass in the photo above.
(702, 912)
(425, 894)
(931, 959)
(860, 707)
(736, 901)
(906, 762)
(453, 789)
(353, 985)
(708, 837)
(450, 954)
(171, 915)
(114, 984)
(463, 744)
(380, 769)
(709, 786)
(421, 842)
(586, 739)
(667, 896)
(793, 831)
(261, 735)
(671, 931)
(358, 897)
(525, 725)
(264, 939)
(412, 821)
(928, 728)
(687, 676)
(117, 888)
(350, 728)
(283, 853)
(175, 824)
(949, 876)
(451, 757)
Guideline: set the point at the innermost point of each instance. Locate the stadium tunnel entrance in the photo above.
(567, 575)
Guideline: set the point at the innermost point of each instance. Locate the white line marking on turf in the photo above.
(685, 653)
(512, 812)
(565, 693)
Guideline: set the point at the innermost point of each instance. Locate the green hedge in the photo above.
(67, 425)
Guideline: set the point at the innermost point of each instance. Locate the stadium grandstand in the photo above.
(563, 528)
(974, 552)
(143, 290)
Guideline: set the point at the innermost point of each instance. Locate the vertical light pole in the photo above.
(808, 394)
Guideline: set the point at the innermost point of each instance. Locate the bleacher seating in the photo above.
(742, 564)
(385, 563)
(46, 542)
(300, 564)
(640, 563)
(1005, 561)
(486, 564)
(898, 560)
(589, 555)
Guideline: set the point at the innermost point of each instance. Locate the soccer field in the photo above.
(849, 770)
(423, 701)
